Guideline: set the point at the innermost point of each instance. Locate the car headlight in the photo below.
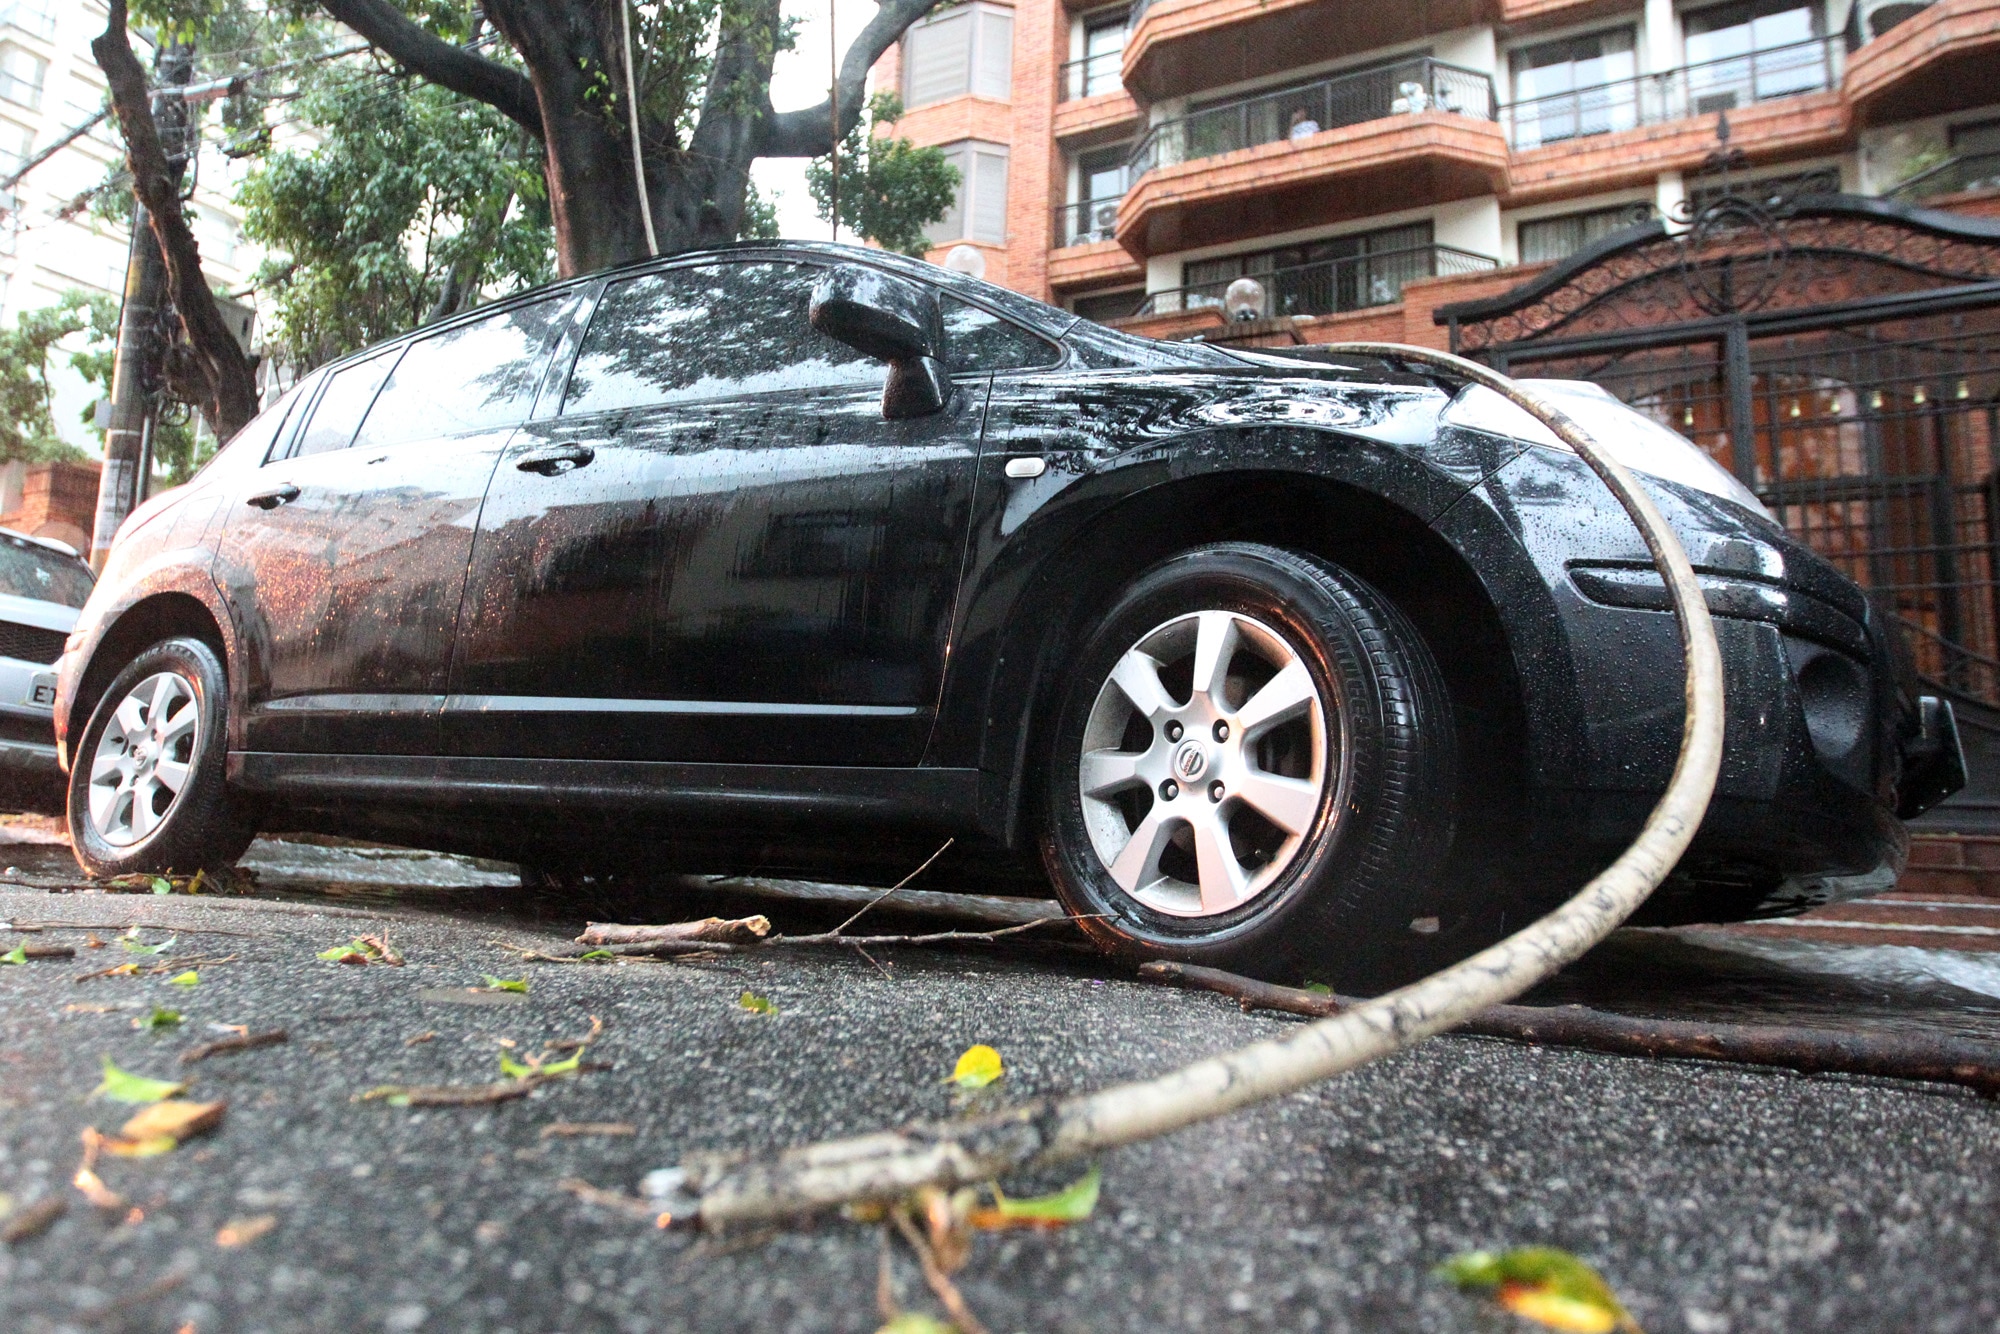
(1632, 438)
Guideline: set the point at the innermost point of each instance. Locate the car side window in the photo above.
(708, 331)
(470, 377)
(977, 340)
(343, 404)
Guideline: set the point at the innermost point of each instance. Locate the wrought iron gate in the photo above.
(1842, 357)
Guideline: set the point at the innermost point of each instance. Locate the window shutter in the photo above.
(938, 55)
(951, 226)
(994, 77)
(989, 197)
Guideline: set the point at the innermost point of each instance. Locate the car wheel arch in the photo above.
(157, 615)
(1360, 530)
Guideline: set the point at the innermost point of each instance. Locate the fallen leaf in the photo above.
(95, 1190)
(344, 954)
(915, 1322)
(133, 945)
(977, 1067)
(419, 1039)
(177, 1119)
(1072, 1204)
(33, 1220)
(756, 1004)
(243, 1231)
(595, 955)
(514, 1069)
(162, 885)
(1543, 1284)
(519, 984)
(19, 954)
(1319, 988)
(121, 1086)
(151, 1147)
(188, 979)
(159, 1018)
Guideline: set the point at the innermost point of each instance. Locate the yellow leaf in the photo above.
(1574, 1315)
(123, 1086)
(176, 1119)
(978, 1067)
(139, 1148)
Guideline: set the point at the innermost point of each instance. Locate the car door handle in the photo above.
(555, 462)
(270, 500)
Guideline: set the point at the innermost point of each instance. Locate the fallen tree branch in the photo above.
(924, 866)
(241, 1042)
(709, 930)
(1815, 1051)
(733, 1188)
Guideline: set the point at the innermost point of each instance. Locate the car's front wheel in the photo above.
(1254, 768)
(146, 789)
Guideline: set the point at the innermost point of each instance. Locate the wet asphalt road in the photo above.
(1715, 1198)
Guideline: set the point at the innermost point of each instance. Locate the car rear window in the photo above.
(30, 571)
(345, 402)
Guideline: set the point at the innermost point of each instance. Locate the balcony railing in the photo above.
(1691, 90)
(1091, 76)
(1967, 171)
(1404, 88)
(1329, 286)
(1087, 221)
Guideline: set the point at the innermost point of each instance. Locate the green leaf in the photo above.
(977, 1067)
(159, 1018)
(915, 1322)
(756, 1004)
(122, 1086)
(513, 1069)
(564, 1067)
(1319, 988)
(598, 954)
(340, 953)
(1072, 1204)
(19, 954)
(133, 945)
(188, 979)
(519, 984)
(1543, 1284)
(162, 885)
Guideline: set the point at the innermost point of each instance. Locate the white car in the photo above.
(43, 583)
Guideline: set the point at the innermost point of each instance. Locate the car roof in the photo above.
(48, 543)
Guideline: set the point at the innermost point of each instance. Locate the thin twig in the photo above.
(629, 1205)
(939, 1281)
(241, 1042)
(936, 937)
(885, 1284)
(892, 889)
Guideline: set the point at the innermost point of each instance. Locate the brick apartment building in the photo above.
(1774, 224)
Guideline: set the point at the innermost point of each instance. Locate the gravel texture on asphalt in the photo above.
(1714, 1198)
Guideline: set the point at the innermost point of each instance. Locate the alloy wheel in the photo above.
(1204, 763)
(143, 758)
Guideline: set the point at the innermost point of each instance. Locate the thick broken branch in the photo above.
(811, 132)
(709, 930)
(731, 1188)
(438, 61)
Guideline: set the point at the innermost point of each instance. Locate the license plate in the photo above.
(43, 690)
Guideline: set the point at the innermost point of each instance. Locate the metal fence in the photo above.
(1328, 286)
(1967, 171)
(1091, 76)
(1086, 221)
(1691, 90)
(1404, 88)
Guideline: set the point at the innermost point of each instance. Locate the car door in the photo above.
(344, 561)
(719, 550)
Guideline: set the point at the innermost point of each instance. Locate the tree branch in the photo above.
(441, 63)
(811, 132)
(229, 397)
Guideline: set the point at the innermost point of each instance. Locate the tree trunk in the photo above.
(227, 391)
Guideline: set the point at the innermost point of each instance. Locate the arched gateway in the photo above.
(1842, 356)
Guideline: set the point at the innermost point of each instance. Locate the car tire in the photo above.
(1297, 836)
(141, 738)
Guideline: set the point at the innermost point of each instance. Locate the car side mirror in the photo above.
(893, 320)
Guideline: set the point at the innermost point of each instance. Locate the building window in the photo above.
(1746, 52)
(967, 49)
(1107, 306)
(1320, 277)
(1577, 86)
(35, 16)
(1100, 184)
(1769, 192)
(979, 212)
(21, 75)
(1103, 54)
(1557, 238)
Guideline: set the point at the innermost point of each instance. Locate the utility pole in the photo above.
(138, 362)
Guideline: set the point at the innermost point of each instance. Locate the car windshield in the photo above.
(29, 571)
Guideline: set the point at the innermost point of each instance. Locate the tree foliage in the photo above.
(414, 203)
(27, 400)
(890, 189)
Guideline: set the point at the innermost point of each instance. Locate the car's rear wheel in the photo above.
(1254, 768)
(147, 790)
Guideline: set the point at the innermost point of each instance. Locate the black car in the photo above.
(798, 558)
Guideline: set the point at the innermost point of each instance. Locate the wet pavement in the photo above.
(1716, 1198)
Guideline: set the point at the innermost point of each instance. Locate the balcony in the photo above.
(1963, 174)
(1413, 133)
(1329, 287)
(1676, 94)
(1087, 222)
(1937, 60)
(1181, 47)
(1092, 76)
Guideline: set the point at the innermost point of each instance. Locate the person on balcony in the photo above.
(1303, 124)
